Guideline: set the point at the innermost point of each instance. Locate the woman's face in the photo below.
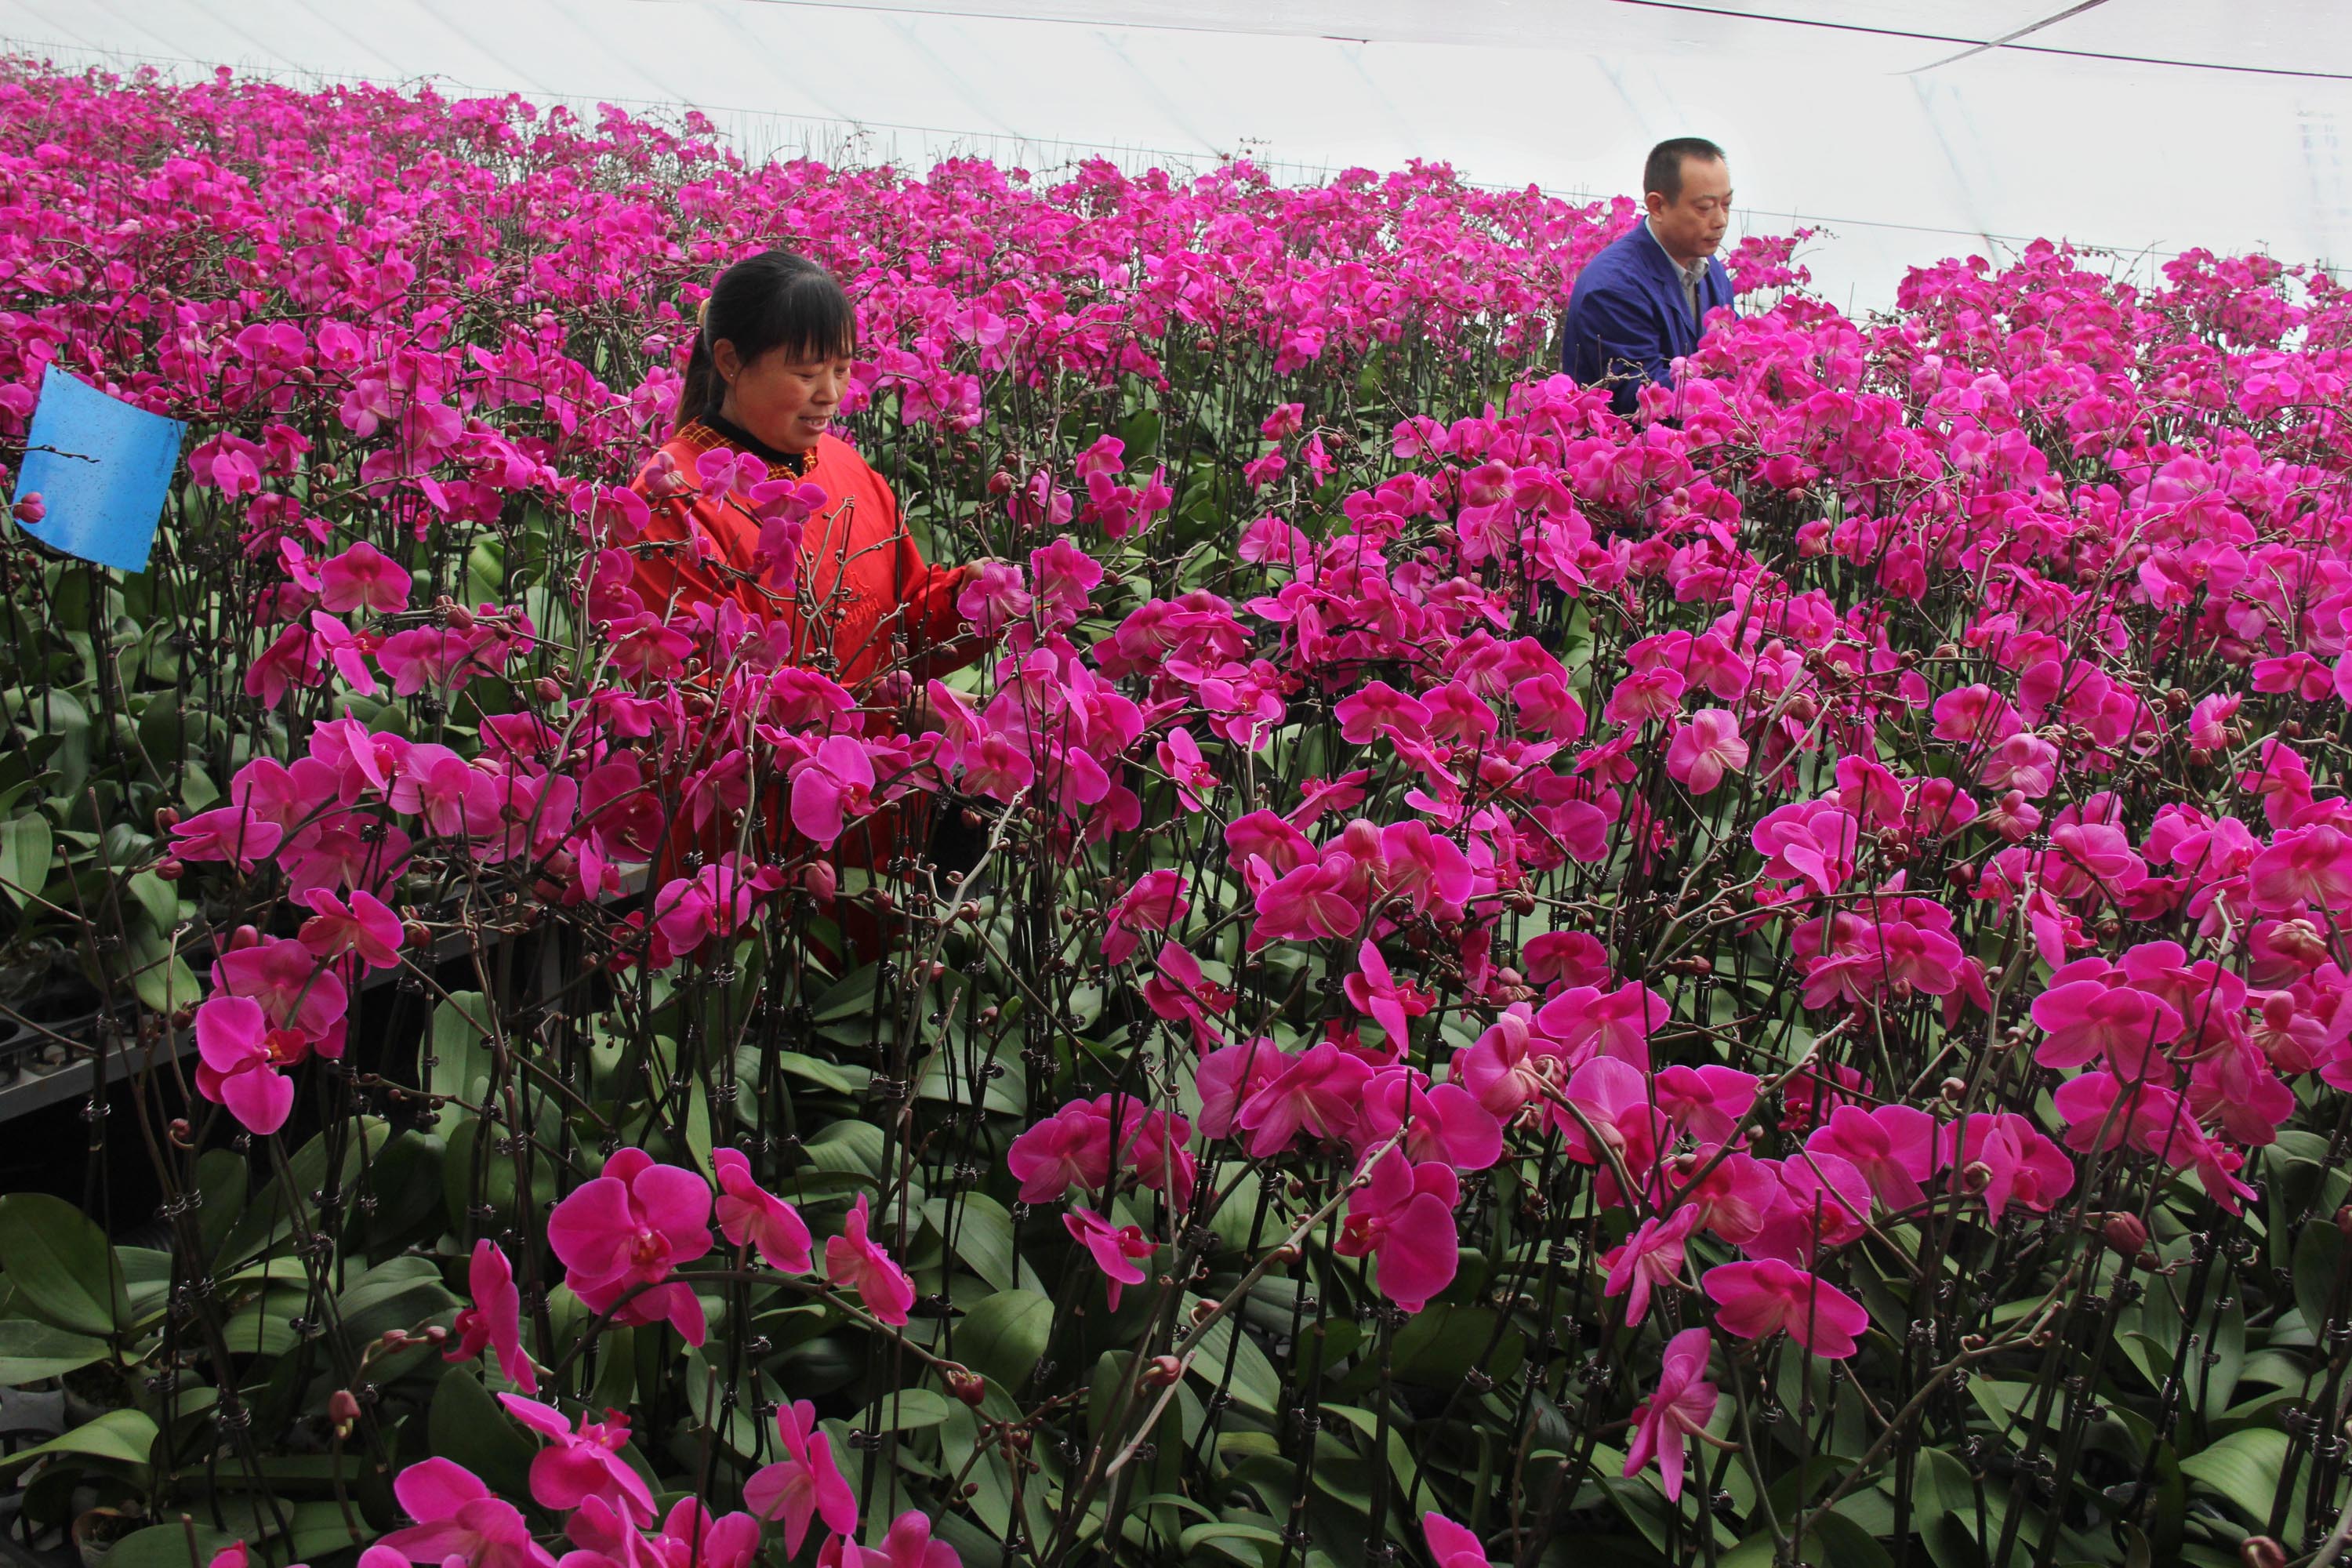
(785, 401)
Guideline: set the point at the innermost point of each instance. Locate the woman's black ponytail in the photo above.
(778, 299)
(694, 396)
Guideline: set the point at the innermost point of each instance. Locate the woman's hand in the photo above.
(915, 715)
(898, 693)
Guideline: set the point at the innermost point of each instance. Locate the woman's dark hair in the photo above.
(776, 299)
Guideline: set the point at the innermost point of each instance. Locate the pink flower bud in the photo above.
(2297, 940)
(2126, 1233)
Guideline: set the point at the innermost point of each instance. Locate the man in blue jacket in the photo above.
(1638, 305)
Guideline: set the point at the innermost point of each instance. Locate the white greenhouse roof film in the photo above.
(1908, 131)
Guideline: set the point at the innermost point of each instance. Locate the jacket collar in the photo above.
(1673, 268)
(724, 432)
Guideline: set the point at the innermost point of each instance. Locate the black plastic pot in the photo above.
(19, 1050)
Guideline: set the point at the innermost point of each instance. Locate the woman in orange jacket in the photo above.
(771, 362)
(772, 359)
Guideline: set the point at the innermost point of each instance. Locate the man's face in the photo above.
(1692, 224)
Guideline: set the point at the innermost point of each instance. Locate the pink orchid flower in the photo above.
(584, 1461)
(805, 1484)
(1071, 1148)
(691, 1538)
(1180, 758)
(1810, 841)
(996, 767)
(294, 990)
(362, 924)
(290, 660)
(1450, 1545)
(2311, 866)
(2005, 1158)
(1065, 576)
(1314, 902)
(1705, 749)
(728, 473)
(2236, 1091)
(630, 1227)
(457, 1518)
(1510, 1066)
(2102, 1112)
(1893, 1147)
(1316, 1093)
(2025, 762)
(1181, 991)
(1229, 1078)
(716, 901)
(237, 834)
(237, 1058)
(1115, 1249)
(1732, 1195)
(751, 1215)
(605, 1536)
(1373, 991)
(1158, 1155)
(494, 1322)
(347, 650)
(1823, 1202)
(828, 788)
(784, 508)
(853, 1260)
(1707, 1102)
(428, 656)
(1651, 1256)
(909, 1544)
(2088, 1021)
(993, 596)
(1377, 709)
(1442, 1121)
(1613, 1112)
(362, 578)
(1429, 872)
(1402, 1218)
(454, 798)
(1155, 903)
(2152, 1117)
(1565, 958)
(1768, 1296)
(1673, 1415)
(1587, 1021)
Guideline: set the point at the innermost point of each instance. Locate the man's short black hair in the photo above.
(1664, 172)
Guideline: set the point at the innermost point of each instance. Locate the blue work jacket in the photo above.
(1627, 316)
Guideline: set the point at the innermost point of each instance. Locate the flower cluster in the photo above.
(1444, 930)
